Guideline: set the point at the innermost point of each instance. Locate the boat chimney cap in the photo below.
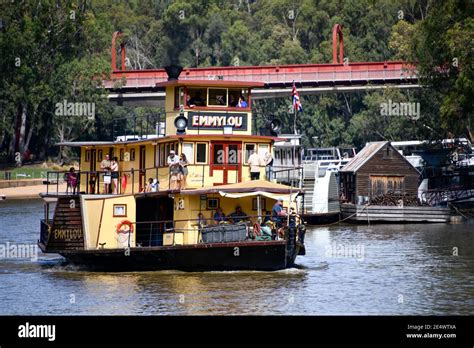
(173, 72)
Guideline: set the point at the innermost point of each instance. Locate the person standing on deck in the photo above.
(173, 164)
(278, 213)
(183, 163)
(268, 166)
(105, 165)
(254, 162)
(71, 180)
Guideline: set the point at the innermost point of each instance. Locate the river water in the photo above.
(348, 270)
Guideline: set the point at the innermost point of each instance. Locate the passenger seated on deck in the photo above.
(238, 215)
(219, 216)
(147, 187)
(265, 231)
(202, 222)
(155, 185)
(268, 216)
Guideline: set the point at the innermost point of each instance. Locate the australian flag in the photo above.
(296, 99)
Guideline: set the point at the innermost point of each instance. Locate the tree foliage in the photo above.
(55, 50)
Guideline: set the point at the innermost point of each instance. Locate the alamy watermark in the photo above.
(411, 110)
(18, 251)
(75, 109)
(337, 250)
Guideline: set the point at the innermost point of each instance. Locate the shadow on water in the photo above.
(176, 292)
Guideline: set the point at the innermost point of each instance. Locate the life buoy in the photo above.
(257, 231)
(123, 223)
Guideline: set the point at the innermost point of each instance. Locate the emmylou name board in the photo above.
(217, 120)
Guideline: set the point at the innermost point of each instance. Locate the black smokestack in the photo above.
(173, 71)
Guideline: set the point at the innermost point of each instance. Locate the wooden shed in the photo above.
(377, 169)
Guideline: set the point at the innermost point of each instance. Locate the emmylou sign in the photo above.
(217, 120)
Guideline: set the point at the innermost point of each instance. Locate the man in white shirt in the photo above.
(173, 164)
(254, 162)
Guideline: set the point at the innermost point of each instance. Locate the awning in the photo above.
(275, 196)
(252, 186)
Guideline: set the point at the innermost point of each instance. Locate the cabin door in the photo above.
(92, 169)
(142, 172)
(226, 162)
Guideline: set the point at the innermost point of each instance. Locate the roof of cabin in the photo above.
(363, 156)
(210, 83)
(200, 137)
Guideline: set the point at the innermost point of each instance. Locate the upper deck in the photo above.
(209, 122)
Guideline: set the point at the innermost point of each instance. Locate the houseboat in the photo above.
(153, 214)
(380, 185)
(447, 170)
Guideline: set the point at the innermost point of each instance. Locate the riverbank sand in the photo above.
(27, 191)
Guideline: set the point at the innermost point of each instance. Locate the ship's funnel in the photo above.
(173, 71)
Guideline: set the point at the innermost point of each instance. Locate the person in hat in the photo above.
(175, 170)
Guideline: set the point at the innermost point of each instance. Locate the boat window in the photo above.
(178, 97)
(188, 152)
(162, 155)
(201, 153)
(217, 97)
(263, 149)
(197, 96)
(248, 149)
(234, 95)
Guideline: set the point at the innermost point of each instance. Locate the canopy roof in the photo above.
(257, 187)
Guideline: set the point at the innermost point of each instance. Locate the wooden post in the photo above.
(259, 209)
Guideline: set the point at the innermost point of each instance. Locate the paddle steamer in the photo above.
(114, 222)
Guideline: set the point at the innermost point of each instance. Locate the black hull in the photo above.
(264, 256)
(321, 219)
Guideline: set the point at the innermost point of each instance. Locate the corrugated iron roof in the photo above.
(363, 156)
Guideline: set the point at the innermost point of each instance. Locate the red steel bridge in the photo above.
(340, 76)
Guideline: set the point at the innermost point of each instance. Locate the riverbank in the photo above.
(24, 192)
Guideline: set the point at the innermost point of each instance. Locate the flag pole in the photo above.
(294, 111)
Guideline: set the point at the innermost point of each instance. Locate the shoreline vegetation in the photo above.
(70, 54)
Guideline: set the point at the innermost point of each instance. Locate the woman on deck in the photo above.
(71, 179)
(183, 164)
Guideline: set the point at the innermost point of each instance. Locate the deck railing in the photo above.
(150, 233)
(92, 182)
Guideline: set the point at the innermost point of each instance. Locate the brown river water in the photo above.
(411, 269)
